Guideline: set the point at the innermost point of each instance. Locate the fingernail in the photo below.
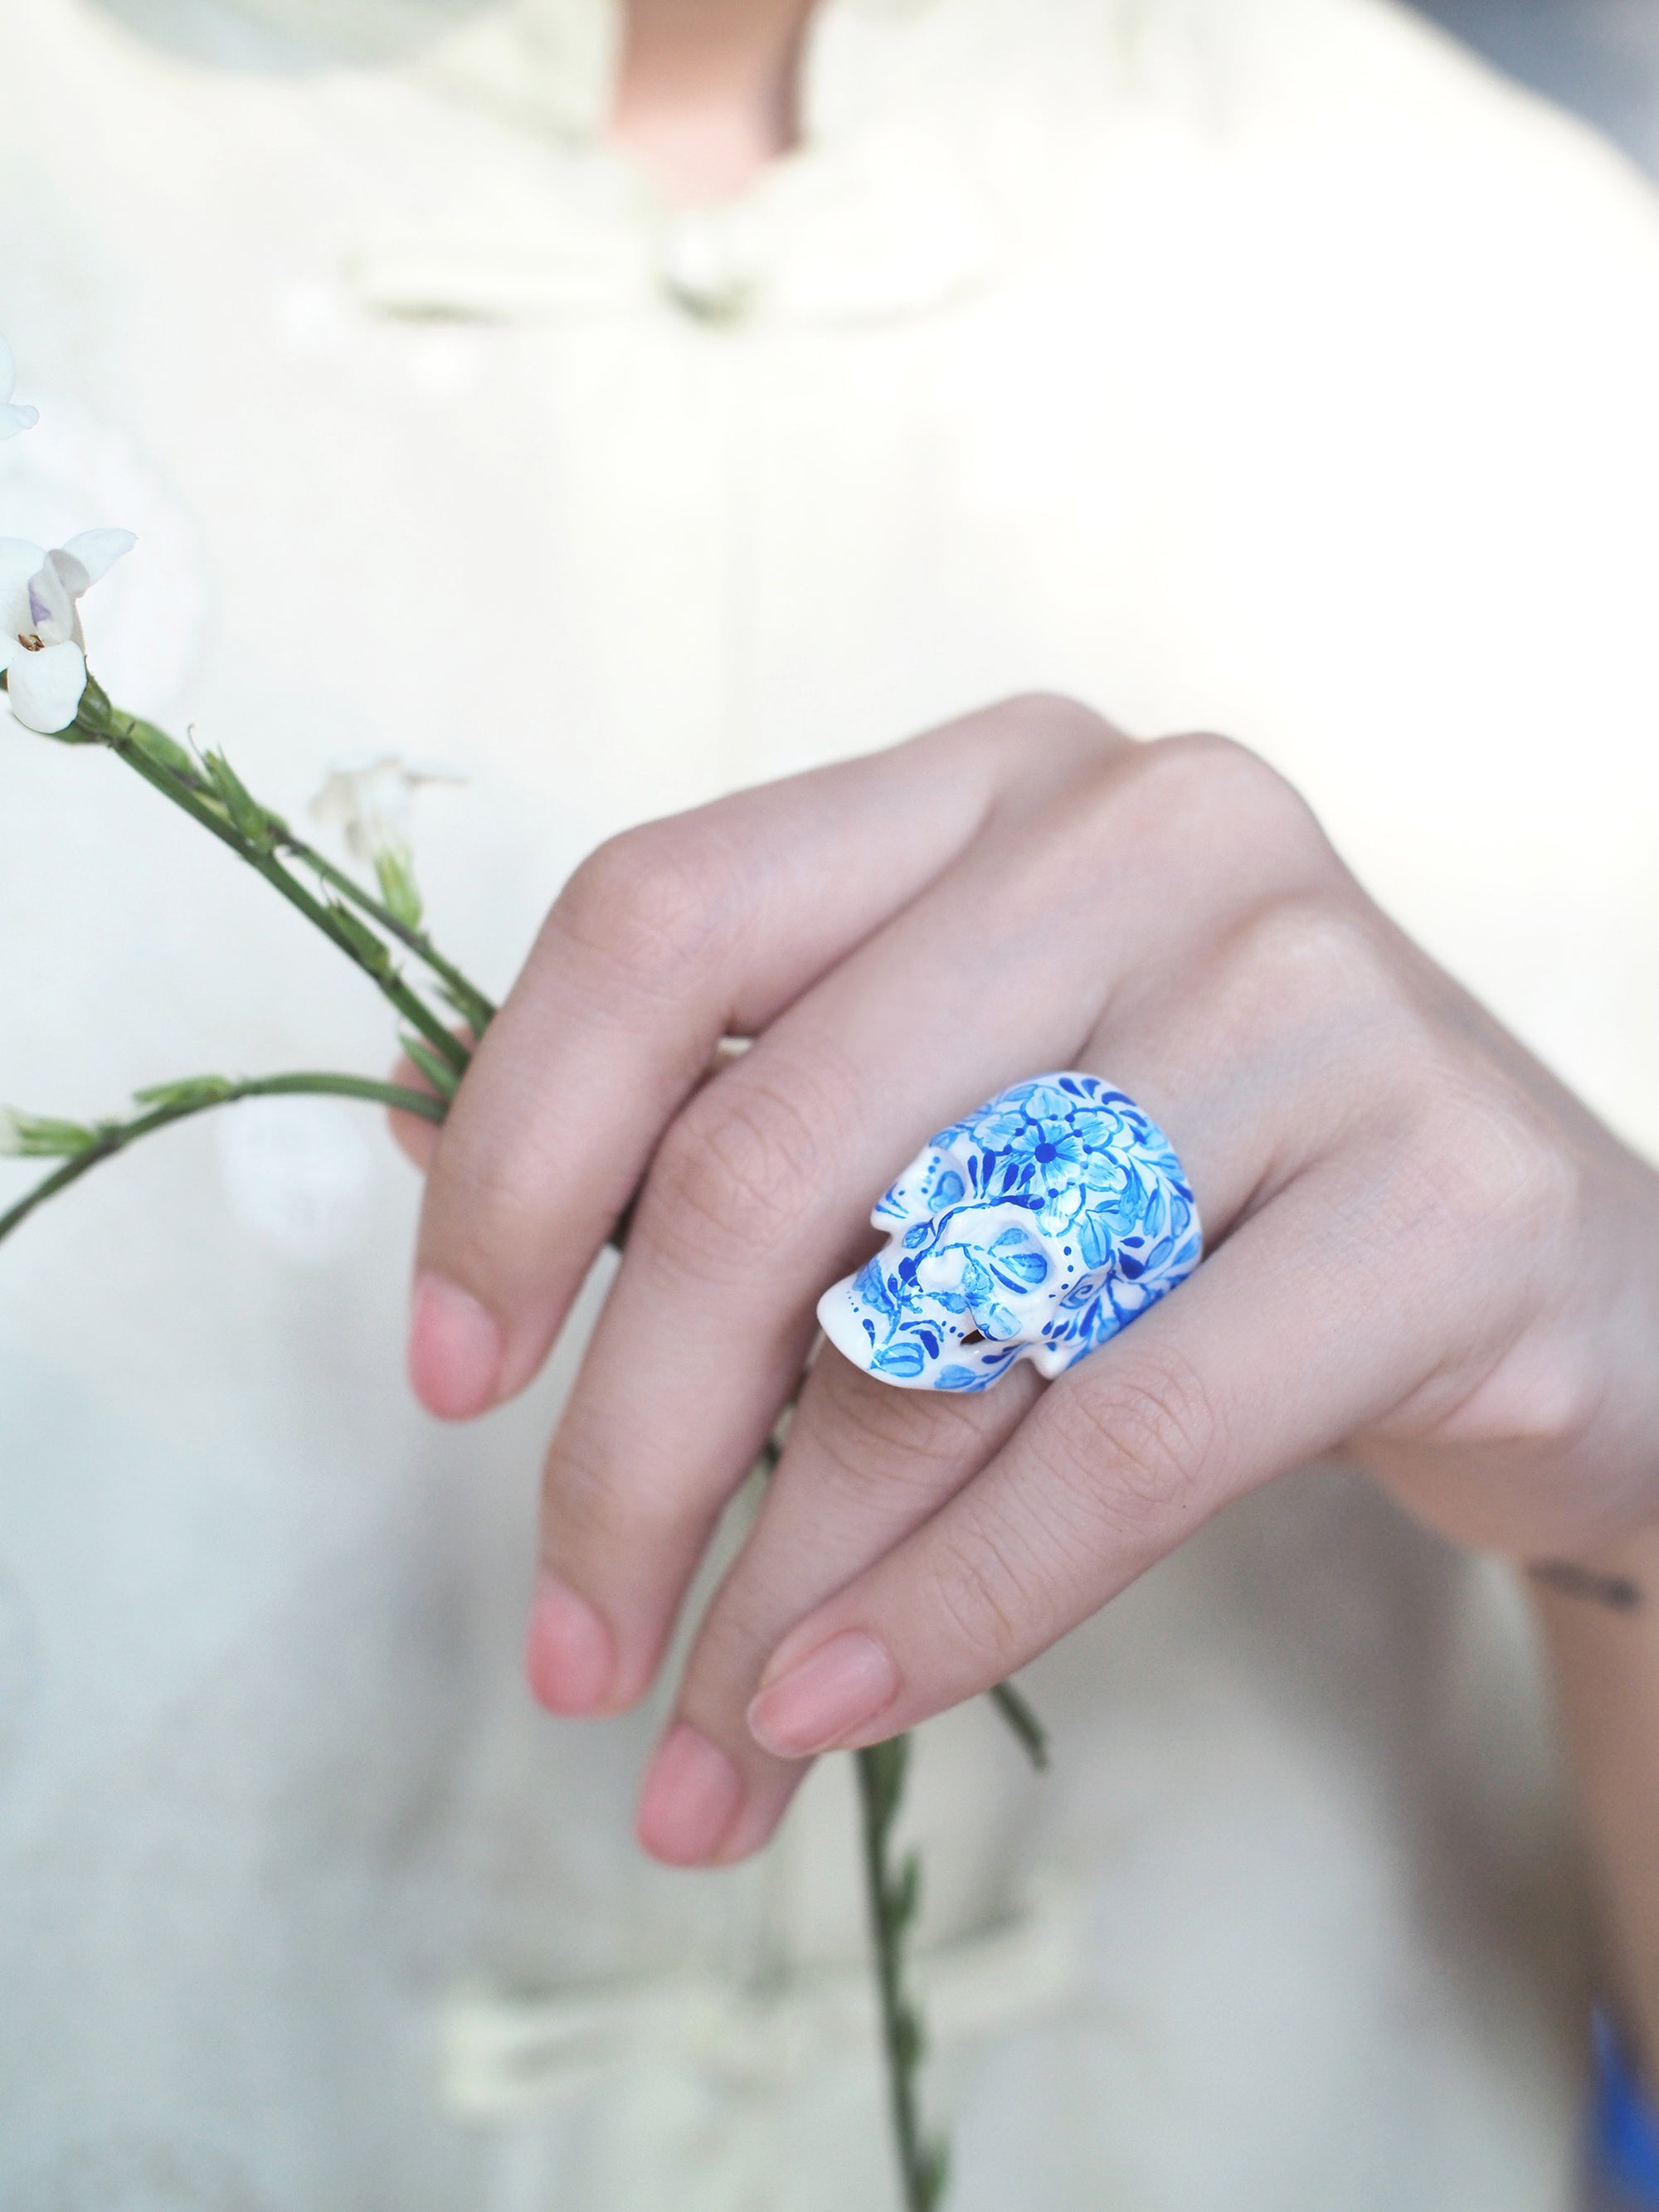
(570, 1657)
(840, 1687)
(456, 1350)
(690, 1797)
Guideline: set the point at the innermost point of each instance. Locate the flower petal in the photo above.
(19, 561)
(53, 589)
(12, 419)
(98, 550)
(46, 687)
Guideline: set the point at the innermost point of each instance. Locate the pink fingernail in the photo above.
(842, 1687)
(570, 1655)
(691, 1796)
(456, 1350)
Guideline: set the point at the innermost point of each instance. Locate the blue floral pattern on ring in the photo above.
(1034, 1229)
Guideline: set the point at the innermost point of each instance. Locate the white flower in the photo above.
(372, 800)
(43, 649)
(12, 419)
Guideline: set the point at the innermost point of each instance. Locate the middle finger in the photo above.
(760, 1195)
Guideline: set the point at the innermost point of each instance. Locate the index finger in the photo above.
(669, 937)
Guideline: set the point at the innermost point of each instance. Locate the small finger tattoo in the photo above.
(1567, 1579)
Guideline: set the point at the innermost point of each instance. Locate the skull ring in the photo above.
(1034, 1229)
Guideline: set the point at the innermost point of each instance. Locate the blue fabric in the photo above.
(1624, 2133)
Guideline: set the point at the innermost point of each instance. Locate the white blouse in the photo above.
(1263, 364)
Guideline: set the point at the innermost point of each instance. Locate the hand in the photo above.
(1420, 1245)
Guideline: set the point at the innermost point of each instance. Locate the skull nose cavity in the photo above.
(1034, 1229)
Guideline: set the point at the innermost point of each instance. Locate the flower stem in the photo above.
(103, 723)
(110, 1137)
(894, 1896)
(468, 1000)
(357, 943)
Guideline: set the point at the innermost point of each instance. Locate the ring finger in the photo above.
(867, 1465)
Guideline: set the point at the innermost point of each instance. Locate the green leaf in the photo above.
(904, 1901)
(371, 951)
(933, 2175)
(93, 715)
(157, 745)
(188, 1091)
(261, 830)
(39, 1137)
(1028, 1729)
(471, 1005)
(396, 877)
(437, 1069)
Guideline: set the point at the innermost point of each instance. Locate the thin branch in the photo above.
(151, 754)
(894, 1897)
(103, 722)
(109, 1138)
(468, 1000)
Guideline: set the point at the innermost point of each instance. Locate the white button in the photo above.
(709, 265)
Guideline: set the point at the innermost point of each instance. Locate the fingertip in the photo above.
(834, 1693)
(457, 1350)
(570, 1655)
(691, 1798)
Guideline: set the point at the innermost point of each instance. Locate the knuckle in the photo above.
(742, 1166)
(1544, 1398)
(980, 1584)
(879, 1439)
(1211, 806)
(1308, 956)
(1207, 758)
(1230, 798)
(1053, 719)
(585, 1512)
(1493, 1166)
(651, 906)
(1136, 1448)
(1041, 743)
(743, 1622)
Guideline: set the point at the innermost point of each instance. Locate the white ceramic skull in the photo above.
(1034, 1229)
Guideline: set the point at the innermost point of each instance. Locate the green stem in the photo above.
(104, 723)
(467, 999)
(1032, 1736)
(381, 973)
(113, 1137)
(893, 1898)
